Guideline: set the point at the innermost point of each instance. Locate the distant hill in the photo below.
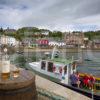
(36, 32)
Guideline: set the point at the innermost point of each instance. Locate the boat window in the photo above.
(73, 66)
(43, 65)
(65, 69)
(50, 66)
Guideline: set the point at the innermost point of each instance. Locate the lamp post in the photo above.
(82, 47)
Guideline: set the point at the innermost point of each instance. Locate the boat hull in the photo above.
(58, 81)
(82, 91)
(45, 75)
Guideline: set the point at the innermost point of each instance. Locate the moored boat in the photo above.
(56, 68)
(59, 70)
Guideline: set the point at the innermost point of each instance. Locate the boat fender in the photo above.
(63, 77)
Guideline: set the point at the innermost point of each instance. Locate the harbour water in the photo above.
(91, 60)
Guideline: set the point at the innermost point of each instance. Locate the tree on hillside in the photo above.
(1, 31)
(91, 34)
(56, 34)
(18, 36)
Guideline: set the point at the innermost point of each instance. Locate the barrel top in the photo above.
(25, 78)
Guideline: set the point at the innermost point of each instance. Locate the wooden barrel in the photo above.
(20, 88)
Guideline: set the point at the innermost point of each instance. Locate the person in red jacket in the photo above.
(91, 81)
(86, 81)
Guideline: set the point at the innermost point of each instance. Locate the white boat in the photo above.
(55, 68)
(59, 70)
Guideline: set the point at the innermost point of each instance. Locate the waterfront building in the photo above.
(8, 40)
(57, 43)
(95, 42)
(74, 39)
(43, 42)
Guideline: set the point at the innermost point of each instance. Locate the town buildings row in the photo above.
(70, 40)
(8, 40)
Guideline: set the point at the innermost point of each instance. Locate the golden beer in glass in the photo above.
(16, 72)
(5, 76)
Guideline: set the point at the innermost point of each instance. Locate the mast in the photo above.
(53, 52)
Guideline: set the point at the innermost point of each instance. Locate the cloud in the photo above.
(52, 14)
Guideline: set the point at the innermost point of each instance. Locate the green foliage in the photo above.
(91, 34)
(34, 32)
(10, 34)
(34, 58)
(56, 34)
(28, 29)
(1, 31)
(18, 36)
(30, 32)
(20, 60)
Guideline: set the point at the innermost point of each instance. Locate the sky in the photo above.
(63, 15)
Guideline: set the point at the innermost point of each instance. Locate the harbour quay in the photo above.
(48, 90)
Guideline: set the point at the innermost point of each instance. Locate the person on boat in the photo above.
(74, 79)
(81, 82)
(86, 80)
(78, 76)
(91, 82)
(65, 70)
(60, 70)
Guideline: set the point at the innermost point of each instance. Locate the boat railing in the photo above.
(96, 86)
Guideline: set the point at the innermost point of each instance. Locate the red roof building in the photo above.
(43, 42)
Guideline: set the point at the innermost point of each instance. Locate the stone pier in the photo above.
(56, 91)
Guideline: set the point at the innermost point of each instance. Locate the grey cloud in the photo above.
(49, 12)
(74, 8)
(30, 3)
(88, 8)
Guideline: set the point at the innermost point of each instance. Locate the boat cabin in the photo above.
(61, 70)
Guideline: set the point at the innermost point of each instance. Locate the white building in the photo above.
(8, 40)
(55, 43)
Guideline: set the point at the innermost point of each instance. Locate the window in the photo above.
(43, 65)
(65, 69)
(74, 65)
(50, 66)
